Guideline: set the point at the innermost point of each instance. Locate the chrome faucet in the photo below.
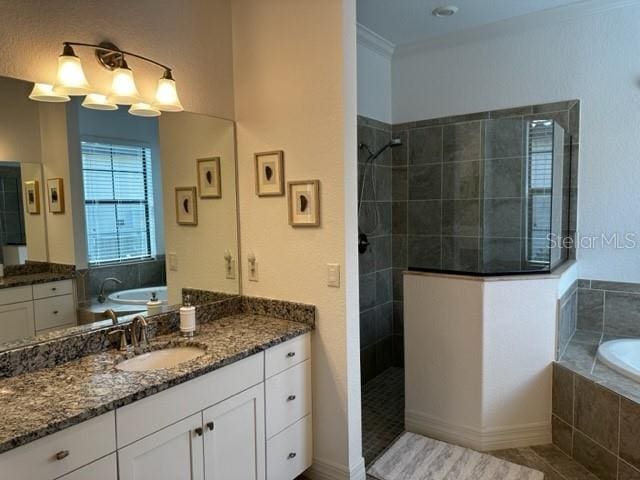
(139, 322)
(112, 315)
(101, 297)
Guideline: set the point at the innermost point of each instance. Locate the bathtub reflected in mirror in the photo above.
(94, 200)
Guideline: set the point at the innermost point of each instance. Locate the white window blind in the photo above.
(540, 178)
(118, 197)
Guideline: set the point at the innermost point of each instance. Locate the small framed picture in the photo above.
(304, 203)
(55, 195)
(186, 206)
(270, 173)
(32, 196)
(209, 177)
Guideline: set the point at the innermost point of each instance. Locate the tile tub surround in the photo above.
(39, 403)
(567, 318)
(147, 273)
(452, 206)
(60, 347)
(595, 425)
(376, 274)
(609, 308)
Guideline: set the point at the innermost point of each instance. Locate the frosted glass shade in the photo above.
(144, 110)
(167, 97)
(70, 79)
(96, 101)
(123, 87)
(43, 92)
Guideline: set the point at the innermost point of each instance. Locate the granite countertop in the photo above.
(34, 278)
(43, 402)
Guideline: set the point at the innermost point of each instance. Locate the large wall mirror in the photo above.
(142, 207)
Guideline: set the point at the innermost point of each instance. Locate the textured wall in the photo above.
(374, 84)
(587, 59)
(192, 36)
(299, 96)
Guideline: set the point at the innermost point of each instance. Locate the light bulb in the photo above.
(43, 92)
(96, 101)
(70, 79)
(123, 87)
(166, 95)
(144, 110)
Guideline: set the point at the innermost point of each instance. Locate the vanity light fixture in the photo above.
(142, 109)
(43, 92)
(71, 80)
(97, 101)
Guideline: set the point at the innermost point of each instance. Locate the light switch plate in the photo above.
(333, 275)
(253, 272)
(231, 269)
(173, 261)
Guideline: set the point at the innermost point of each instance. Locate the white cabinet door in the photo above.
(16, 321)
(234, 439)
(103, 469)
(173, 453)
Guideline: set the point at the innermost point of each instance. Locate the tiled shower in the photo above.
(458, 196)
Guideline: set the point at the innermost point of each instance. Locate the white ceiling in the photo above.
(410, 21)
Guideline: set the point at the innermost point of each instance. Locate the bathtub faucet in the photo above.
(101, 297)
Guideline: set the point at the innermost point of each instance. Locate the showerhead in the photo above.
(395, 142)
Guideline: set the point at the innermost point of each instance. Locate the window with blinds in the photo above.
(118, 197)
(539, 189)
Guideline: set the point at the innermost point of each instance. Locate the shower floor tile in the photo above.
(382, 412)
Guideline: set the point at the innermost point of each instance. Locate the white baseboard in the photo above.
(325, 470)
(495, 438)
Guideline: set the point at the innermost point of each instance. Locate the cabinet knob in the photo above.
(210, 425)
(198, 431)
(53, 289)
(55, 312)
(291, 354)
(291, 455)
(291, 398)
(62, 454)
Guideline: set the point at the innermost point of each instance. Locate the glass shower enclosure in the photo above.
(504, 211)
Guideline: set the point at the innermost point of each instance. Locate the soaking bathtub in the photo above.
(139, 296)
(623, 356)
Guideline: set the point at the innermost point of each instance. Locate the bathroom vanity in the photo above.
(36, 308)
(241, 410)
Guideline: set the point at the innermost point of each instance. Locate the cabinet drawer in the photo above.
(289, 453)
(54, 312)
(288, 397)
(149, 415)
(287, 354)
(82, 443)
(15, 295)
(52, 289)
(104, 469)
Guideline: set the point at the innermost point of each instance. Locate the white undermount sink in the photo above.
(165, 358)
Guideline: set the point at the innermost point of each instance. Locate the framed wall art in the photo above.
(55, 195)
(304, 203)
(209, 184)
(186, 206)
(32, 196)
(270, 173)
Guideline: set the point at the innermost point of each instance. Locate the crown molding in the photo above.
(371, 40)
(529, 21)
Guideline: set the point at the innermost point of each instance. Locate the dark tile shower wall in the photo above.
(376, 280)
(11, 212)
(457, 187)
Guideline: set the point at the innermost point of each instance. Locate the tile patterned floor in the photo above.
(383, 421)
(382, 412)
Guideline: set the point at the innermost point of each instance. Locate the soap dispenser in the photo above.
(187, 318)
(154, 305)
